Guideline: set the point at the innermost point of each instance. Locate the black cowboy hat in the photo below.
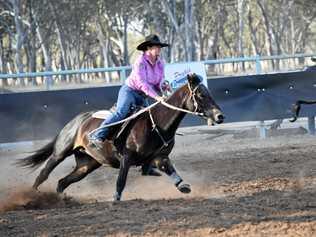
(151, 40)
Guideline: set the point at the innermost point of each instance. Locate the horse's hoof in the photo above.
(116, 197)
(62, 196)
(34, 189)
(59, 190)
(184, 188)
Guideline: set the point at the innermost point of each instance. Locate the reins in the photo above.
(180, 109)
(128, 118)
(192, 95)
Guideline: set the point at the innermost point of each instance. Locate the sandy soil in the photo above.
(241, 186)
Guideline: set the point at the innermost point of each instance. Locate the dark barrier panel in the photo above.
(40, 115)
(264, 97)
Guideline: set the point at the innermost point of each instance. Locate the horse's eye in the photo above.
(201, 95)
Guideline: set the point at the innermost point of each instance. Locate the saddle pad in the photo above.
(101, 114)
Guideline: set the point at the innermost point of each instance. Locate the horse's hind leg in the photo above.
(85, 165)
(50, 165)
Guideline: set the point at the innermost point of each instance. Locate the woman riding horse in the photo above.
(146, 79)
(147, 139)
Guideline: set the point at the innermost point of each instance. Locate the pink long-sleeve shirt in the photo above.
(145, 76)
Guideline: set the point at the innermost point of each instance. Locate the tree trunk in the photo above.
(61, 36)
(180, 37)
(214, 38)
(241, 4)
(32, 42)
(104, 43)
(188, 30)
(253, 33)
(170, 57)
(45, 49)
(263, 9)
(3, 63)
(20, 37)
(125, 39)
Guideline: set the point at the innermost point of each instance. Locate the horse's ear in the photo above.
(193, 79)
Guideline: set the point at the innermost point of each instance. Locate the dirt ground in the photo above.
(241, 186)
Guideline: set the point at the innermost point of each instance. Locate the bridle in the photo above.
(192, 95)
(196, 107)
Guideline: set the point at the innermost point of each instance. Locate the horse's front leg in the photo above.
(164, 164)
(121, 179)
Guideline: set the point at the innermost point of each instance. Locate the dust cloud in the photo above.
(28, 199)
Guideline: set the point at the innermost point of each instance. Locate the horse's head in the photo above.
(201, 101)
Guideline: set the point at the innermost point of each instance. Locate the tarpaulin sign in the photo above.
(176, 74)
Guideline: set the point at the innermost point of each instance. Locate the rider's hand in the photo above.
(166, 86)
(159, 98)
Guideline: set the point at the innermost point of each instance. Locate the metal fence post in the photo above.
(122, 75)
(258, 65)
(262, 130)
(311, 125)
(48, 82)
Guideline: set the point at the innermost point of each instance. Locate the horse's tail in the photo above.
(41, 155)
(297, 107)
(61, 146)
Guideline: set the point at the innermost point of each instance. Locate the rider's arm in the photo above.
(140, 79)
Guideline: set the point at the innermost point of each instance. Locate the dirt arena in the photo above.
(241, 186)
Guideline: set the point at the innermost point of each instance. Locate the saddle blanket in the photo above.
(101, 114)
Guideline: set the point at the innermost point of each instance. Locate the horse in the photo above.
(297, 107)
(146, 140)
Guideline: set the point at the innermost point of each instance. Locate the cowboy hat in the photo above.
(151, 40)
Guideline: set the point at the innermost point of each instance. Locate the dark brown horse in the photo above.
(146, 140)
(297, 107)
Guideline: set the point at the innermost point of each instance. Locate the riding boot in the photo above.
(97, 138)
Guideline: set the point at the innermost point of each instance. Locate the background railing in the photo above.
(69, 79)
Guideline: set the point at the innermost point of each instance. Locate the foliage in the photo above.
(38, 35)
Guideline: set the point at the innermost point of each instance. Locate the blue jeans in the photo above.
(127, 98)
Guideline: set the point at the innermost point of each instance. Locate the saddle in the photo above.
(103, 114)
(116, 130)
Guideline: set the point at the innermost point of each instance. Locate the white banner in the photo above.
(176, 74)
